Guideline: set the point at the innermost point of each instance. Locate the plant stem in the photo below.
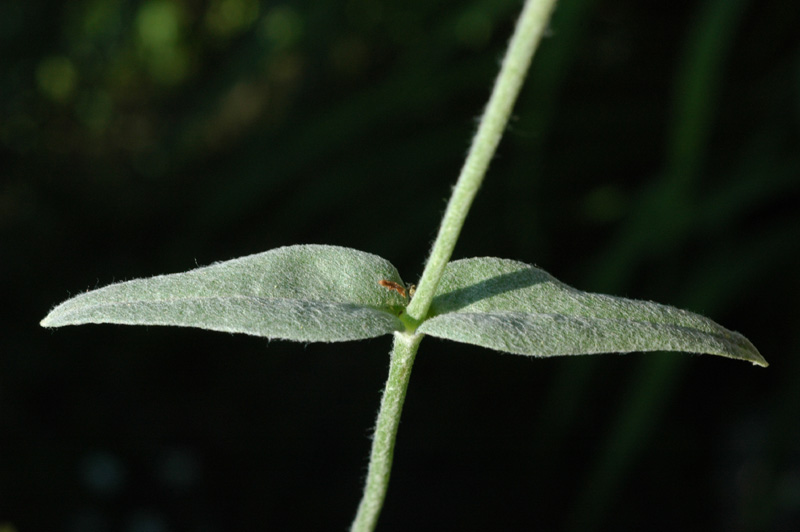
(380, 462)
(527, 35)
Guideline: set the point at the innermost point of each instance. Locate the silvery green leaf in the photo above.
(517, 308)
(309, 293)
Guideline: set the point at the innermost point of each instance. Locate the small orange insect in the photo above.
(391, 285)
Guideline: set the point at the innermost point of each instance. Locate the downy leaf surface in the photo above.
(307, 293)
(517, 308)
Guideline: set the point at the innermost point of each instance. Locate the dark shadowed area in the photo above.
(654, 154)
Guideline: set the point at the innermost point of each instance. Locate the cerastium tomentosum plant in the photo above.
(317, 293)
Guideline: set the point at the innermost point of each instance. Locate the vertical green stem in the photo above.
(380, 462)
(527, 35)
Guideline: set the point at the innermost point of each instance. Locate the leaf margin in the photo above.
(349, 297)
(457, 300)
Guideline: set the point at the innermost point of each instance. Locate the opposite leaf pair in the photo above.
(316, 293)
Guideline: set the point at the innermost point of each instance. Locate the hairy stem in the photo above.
(380, 462)
(529, 30)
(527, 35)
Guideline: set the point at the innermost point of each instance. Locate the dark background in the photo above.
(654, 154)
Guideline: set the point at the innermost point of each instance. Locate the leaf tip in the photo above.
(751, 354)
(52, 319)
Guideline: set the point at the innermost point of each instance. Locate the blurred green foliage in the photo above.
(655, 154)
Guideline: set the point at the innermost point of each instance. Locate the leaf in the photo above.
(308, 293)
(517, 308)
